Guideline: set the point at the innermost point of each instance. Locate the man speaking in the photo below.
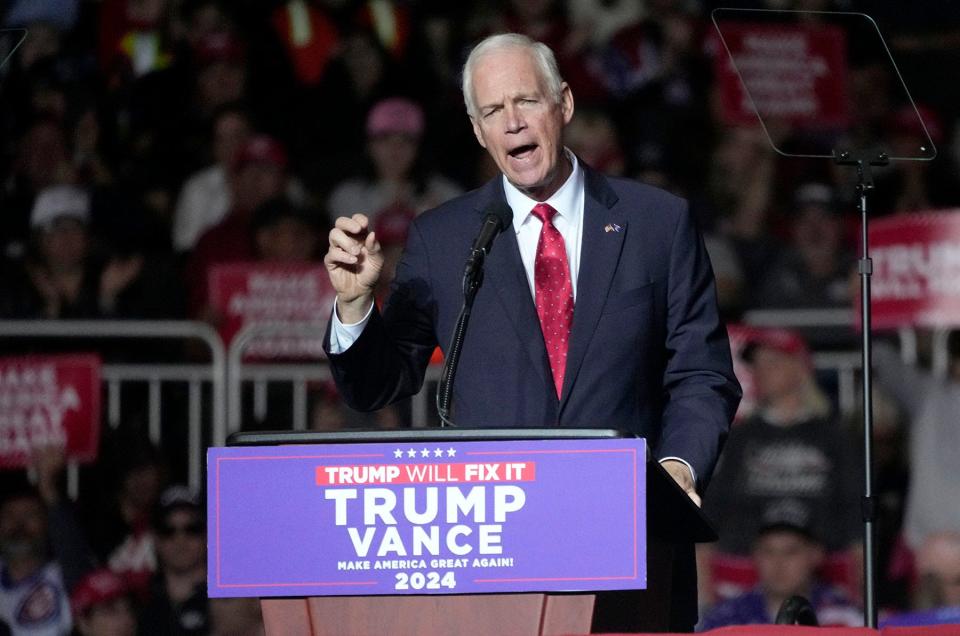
(598, 307)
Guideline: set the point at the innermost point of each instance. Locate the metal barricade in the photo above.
(154, 375)
(226, 373)
(299, 374)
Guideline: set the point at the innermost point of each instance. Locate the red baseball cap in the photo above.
(261, 149)
(784, 340)
(100, 586)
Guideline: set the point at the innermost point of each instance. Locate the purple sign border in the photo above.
(634, 447)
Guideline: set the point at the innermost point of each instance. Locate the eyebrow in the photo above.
(517, 97)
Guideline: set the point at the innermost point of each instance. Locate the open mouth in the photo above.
(522, 152)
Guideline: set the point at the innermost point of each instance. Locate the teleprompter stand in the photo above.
(760, 44)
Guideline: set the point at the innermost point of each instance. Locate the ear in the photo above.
(478, 132)
(566, 103)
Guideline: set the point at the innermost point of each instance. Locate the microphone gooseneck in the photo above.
(497, 217)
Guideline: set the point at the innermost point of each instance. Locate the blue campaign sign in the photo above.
(427, 518)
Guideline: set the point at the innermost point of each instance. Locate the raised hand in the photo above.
(354, 262)
(117, 276)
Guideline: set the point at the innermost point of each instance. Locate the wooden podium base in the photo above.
(480, 615)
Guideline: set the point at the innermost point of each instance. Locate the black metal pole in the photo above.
(869, 502)
(869, 499)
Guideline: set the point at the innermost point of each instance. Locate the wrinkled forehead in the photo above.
(511, 67)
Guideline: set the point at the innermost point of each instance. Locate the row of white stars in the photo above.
(424, 452)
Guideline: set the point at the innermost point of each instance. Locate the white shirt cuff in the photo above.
(693, 473)
(341, 335)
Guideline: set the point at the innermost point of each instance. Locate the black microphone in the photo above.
(498, 217)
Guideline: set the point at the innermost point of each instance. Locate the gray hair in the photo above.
(542, 56)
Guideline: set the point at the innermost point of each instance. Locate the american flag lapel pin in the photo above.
(611, 227)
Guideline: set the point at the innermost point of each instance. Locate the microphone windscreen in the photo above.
(502, 211)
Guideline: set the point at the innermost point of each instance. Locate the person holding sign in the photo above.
(598, 306)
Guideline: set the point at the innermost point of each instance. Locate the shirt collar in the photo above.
(564, 200)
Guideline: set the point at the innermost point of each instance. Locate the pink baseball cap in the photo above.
(395, 115)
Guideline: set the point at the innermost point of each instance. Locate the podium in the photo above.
(674, 524)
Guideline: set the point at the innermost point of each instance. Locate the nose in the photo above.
(514, 118)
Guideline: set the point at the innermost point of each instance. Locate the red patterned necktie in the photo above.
(554, 292)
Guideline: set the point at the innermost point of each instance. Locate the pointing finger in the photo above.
(371, 243)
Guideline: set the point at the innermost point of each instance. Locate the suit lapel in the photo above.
(505, 273)
(599, 255)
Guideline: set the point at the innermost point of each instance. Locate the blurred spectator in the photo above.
(33, 598)
(740, 187)
(122, 523)
(396, 173)
(815, 270)
(891, 479)
(937, 597)
(178, 601)
(547, 21)
(205, 197)
(599, 20)
(88, 160)
(593, 137)
(43, 551)
(309, 36)
(258, 174)
(938, 568)
(221, 75)
(391, 228)
(360, 76)
(728, 273)
(914, 186)
(103, 605)
(787, 555)
(41, 161)
(790, 449)
(284, 233)
(65, 278)
(133, 40)
(931, 405)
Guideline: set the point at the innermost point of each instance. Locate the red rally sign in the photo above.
(48, 400)
(795, 73)
(916, 270)
(245, 293)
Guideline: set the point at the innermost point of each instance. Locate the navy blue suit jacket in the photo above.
(647, 352)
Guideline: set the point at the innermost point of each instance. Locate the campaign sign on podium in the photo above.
(427, 518)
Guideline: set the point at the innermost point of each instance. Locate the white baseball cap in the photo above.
(60, 201)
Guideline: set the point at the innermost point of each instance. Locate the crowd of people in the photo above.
(145, 141)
